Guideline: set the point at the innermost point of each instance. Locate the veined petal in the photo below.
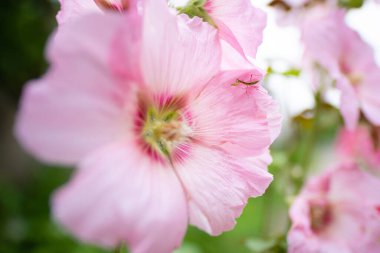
(118, 195)
(239, 23)
(77, 106)
(126, 50)
(179, 54)
(218, 186)
(240, 119)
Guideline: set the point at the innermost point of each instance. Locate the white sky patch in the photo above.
(293, 94)
(282, 50)
(178, 3)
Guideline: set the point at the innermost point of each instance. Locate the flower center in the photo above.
(320, 215)
(113, 5)
(163, 130)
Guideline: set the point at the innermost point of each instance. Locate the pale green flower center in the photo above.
(163, 130)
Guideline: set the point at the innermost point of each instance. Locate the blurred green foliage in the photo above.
(24, 28)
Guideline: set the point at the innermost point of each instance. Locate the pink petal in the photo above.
(72, 9)
(232, 60)
(179, 54)
(126, 49)
(118, 195)
(97, 33)
(365, 187)
(239, 119)
(355, 145)
(239, 23)
(322, 38)
(218, 186)
(77, 107)
(349, 103)
(358, 55)
(369, 96)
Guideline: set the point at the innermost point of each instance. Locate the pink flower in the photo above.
(360, 145)
(349, 60)
(337, 212)
(161, 137)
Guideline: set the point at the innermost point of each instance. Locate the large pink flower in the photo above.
(337, 212)
(349, 60)
(160, 135)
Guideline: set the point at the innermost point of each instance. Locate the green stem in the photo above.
(309, 144)
(121, 248)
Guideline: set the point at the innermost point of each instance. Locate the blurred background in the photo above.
(26, 185)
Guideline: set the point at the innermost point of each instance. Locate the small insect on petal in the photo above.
(250, 83)
(119, 5)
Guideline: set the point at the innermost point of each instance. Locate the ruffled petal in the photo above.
(77, 106)
(179, 54)
(118, 195)
(239, 23)
(218, 186)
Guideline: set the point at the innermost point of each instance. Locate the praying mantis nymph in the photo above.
(238, 81)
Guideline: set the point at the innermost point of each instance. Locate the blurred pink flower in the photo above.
(337, 212)
(349, 61)
(72, 9)
(359, 146)
(160, 135)
(294, 12)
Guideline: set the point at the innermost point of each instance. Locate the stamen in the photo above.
(320, 216)
(162, 129)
